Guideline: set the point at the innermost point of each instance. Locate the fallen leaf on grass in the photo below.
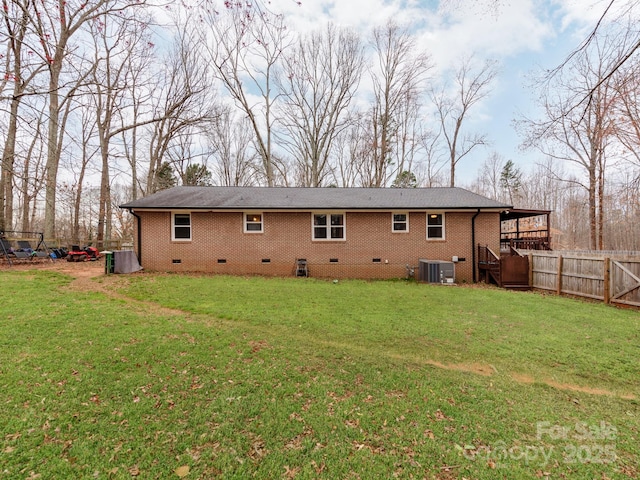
(182, 471)
(441, 416)
(296, 416)
(290, 472)
(318, 468)
(258, 450)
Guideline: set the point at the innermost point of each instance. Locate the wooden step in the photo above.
(515, 286)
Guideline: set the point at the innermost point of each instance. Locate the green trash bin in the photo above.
(109, 262)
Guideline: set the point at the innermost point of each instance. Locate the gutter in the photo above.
(473, 243)
(139, 239)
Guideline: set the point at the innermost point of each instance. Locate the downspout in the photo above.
(473, 243)
(139, 239)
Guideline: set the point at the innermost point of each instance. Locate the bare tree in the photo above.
(399, 70)
(229, 140)
(471, 84)
(117, 42)
(55, 25)
(352, 155)
(488, 179)
(123, 222)
(140, 93)
(433, 164)
(29, 176)
(88, 151)
(21, 68)
(189, 158)
(244, 46)
(543, 186)
(627, 111)
(580, 136)
(623, 208)
(185, 101)
(319, 79)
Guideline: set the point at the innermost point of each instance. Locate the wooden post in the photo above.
(607, 280)
(530, 270)
(559, 282)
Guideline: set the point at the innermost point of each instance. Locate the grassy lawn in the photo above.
(170, 376)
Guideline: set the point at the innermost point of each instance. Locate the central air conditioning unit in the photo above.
(436, 271)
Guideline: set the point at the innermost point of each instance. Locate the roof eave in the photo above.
(310, 208)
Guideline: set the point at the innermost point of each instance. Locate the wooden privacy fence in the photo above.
(610, 277)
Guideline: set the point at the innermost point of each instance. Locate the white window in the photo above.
(328, 226)
(435, 226)
(400, 222)
(181, 227)
(253, 223)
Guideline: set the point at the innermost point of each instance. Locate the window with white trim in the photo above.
(435, 226)
(400, 222)
(253, 223)
(181, 227)
(328, 226)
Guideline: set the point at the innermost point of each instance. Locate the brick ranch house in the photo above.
(340, 232)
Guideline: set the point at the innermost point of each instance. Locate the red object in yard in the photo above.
(84, 254)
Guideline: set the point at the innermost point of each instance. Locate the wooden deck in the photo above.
(525, 229)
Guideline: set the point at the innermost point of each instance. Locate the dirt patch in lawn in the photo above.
(477, 368)
(529, 380)
(78, 270)
(90, 276)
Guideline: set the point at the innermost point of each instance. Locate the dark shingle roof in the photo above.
(287, 198)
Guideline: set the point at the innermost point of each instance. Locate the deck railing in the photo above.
(526, 243)
(488, 264)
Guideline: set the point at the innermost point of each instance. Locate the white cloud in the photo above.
(360, 15)
(582, 14)
(515, 28)
(464, 26)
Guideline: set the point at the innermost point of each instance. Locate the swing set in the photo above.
(24, 251)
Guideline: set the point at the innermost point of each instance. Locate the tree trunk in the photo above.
(8, 164)
(593, 224)
(600, 211)
(53, 154)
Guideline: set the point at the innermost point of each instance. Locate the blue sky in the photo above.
(522, 35)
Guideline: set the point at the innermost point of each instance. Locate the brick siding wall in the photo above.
(219, 245)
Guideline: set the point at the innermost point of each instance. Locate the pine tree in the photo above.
(511, 180)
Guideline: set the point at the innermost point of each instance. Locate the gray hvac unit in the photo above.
(436, 271)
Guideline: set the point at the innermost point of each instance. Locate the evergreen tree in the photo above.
(511, 180)
(405, 179)
(165, 177)
(197, 175)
